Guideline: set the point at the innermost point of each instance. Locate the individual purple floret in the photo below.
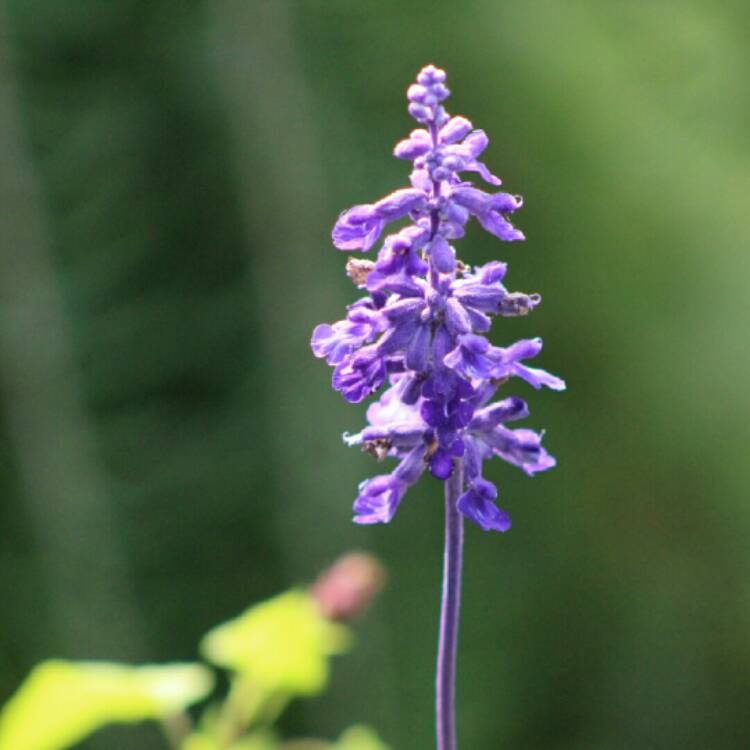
(421, 327)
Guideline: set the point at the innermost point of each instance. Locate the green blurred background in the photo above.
(170, 171)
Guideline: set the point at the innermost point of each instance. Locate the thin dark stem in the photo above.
(445, 703)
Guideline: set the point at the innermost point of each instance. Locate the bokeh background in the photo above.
(170, 450)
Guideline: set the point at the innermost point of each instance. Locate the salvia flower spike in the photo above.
(419, 330)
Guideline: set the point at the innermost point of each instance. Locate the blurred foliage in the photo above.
(276, 650)
(170, 172)
(282, 644)
(62, 702)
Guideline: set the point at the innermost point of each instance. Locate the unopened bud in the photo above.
(418, 112)
(344, 590)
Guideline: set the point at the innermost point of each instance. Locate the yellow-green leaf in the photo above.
(283, 644)
(200, 741)
(62, 702)
(263, 740)
(360, 737)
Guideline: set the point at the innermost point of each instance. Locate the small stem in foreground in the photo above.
(177, 728)
(445, 704)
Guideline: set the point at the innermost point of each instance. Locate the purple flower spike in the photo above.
(421, 331)
(442, 255)
(478, 506)
(357, 229)
(378, 500)
(379, 497)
